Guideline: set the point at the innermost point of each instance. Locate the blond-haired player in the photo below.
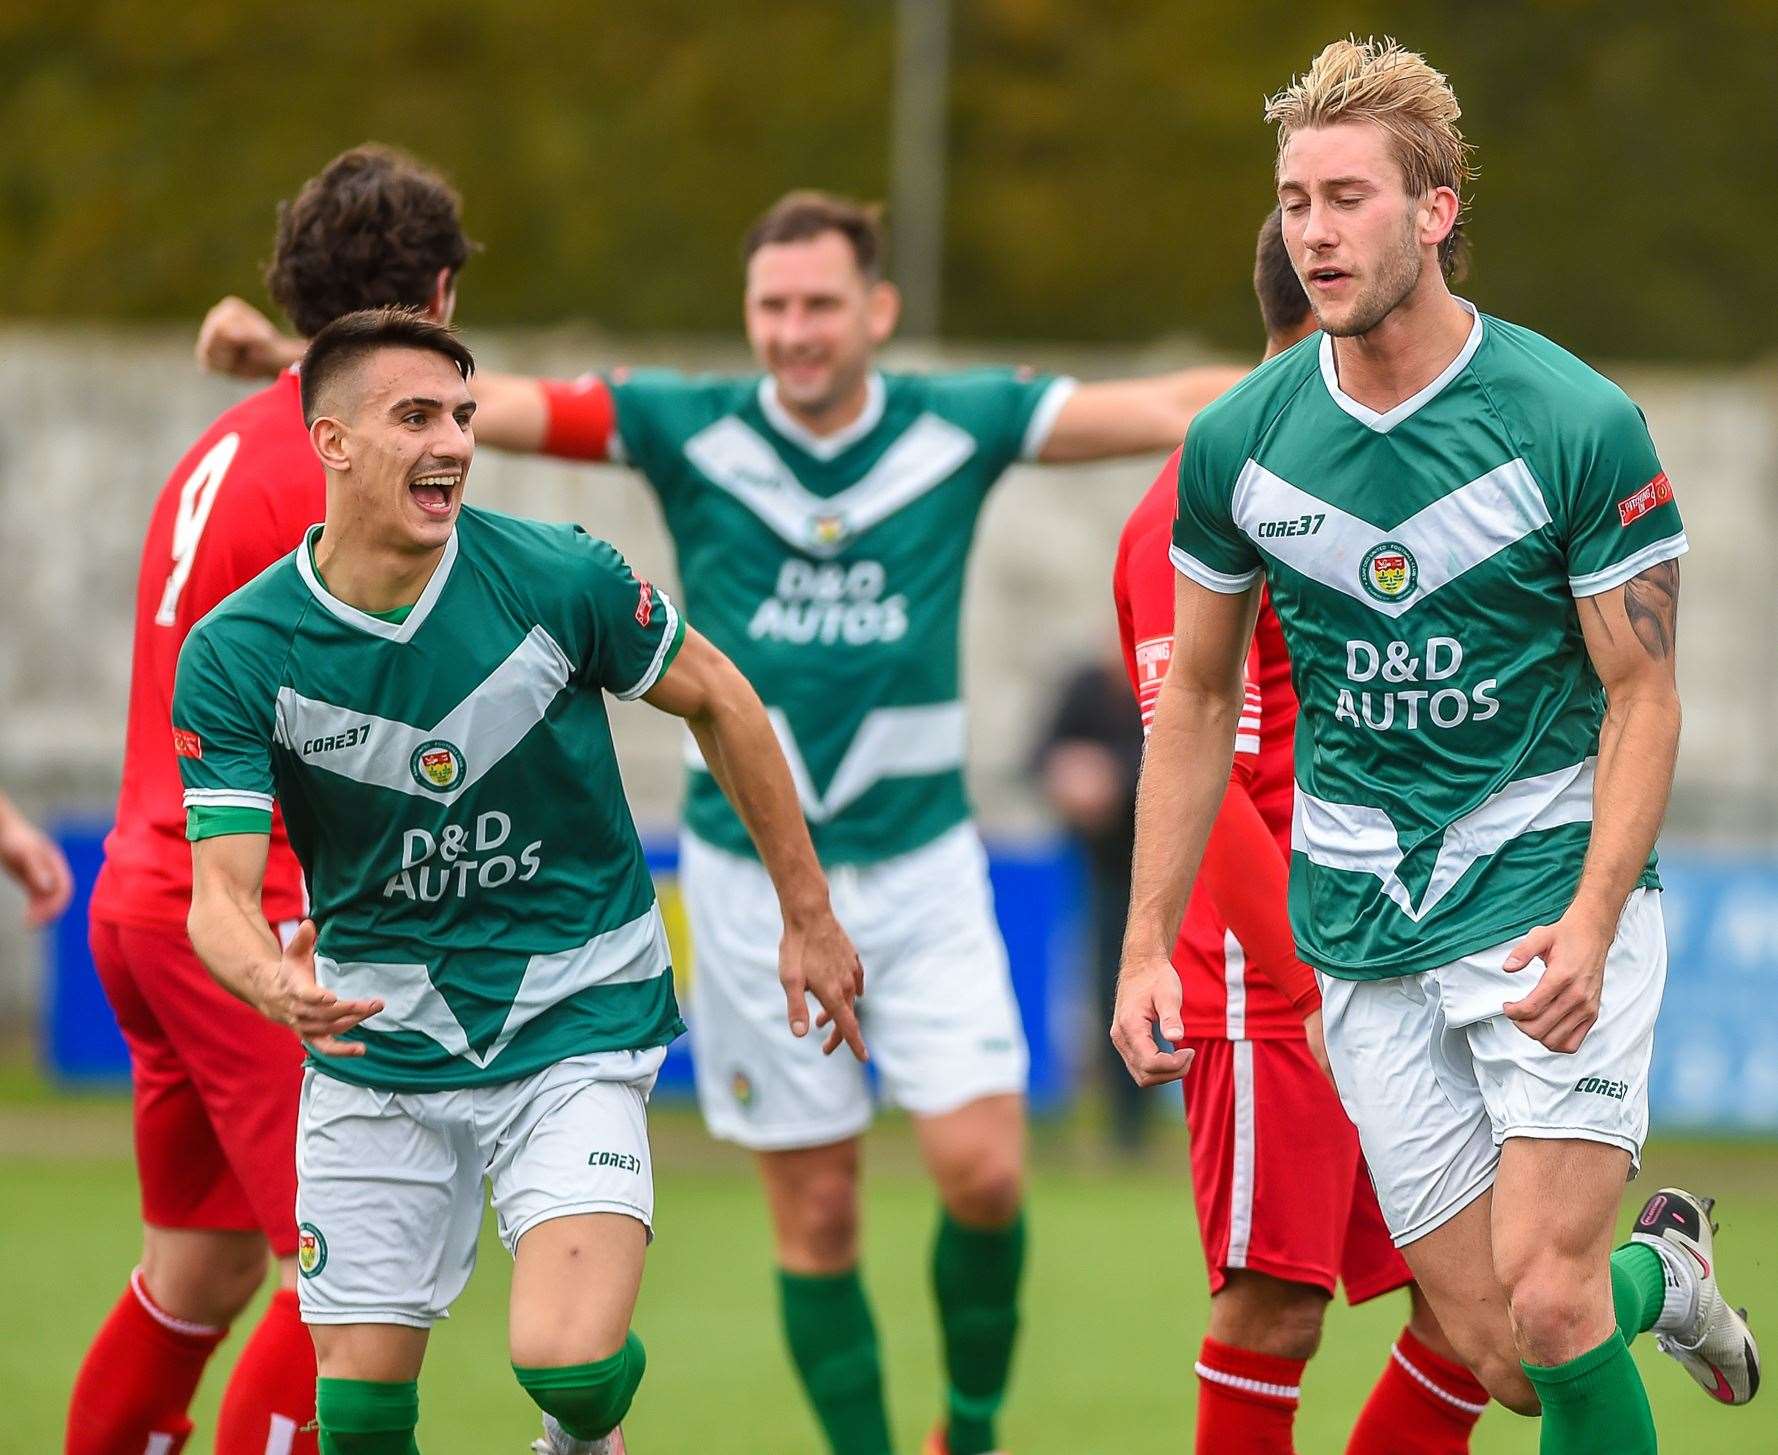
(1473, 550)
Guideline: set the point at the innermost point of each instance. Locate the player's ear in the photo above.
(1438, 215)
(328, 436)
(884, 306)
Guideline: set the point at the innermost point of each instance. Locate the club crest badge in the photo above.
(311, 1250)
(827, 530)
(1389, 572)
(437, 766)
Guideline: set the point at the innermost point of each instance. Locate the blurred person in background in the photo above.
(35, 862)
(822, 511)
(1086, 764)
(215, 1084)
(1286, 1210)
(1474, 872)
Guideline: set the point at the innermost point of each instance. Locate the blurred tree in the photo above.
(1108, 163)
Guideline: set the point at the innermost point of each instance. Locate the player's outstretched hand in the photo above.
(36, 862)
(1562, 1007)
(816, 957)
(293, 998)
(236, 338)
(1148, 997)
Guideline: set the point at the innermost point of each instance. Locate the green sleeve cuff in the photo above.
(672, 646)
(213, 823)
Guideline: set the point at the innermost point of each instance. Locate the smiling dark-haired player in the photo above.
(484, 983)
(215, 1086)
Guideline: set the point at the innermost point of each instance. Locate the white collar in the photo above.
(1383, 423)
(823, 446)
(394, 631)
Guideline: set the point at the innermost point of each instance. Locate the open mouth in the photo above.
(1328, 277)
(433, 493)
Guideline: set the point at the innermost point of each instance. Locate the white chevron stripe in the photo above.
(891, 742)
(1363, 840)
(486, 726)
(1452, 535)
(632, 952)
(738, 459)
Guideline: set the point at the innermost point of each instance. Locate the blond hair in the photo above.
(1385, 83)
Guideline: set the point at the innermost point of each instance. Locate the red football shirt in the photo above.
(240, 500)
(1224, 994)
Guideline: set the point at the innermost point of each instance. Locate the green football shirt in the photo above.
(1424, 563)
(831, 570)
(450, 787)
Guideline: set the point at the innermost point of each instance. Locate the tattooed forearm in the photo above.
(1651, 602)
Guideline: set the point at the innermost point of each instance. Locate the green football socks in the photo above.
(1638, 1288)
(975, 1273)
(1594, 1405)
(589, 1401)
(833, 1341)
(367, 1417)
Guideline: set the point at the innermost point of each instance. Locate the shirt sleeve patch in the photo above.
(187, 744)
(644, 604)
(1658, 492)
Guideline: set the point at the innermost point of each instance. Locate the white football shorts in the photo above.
(389, 1184)
(1436, 1077)
(938, 1011)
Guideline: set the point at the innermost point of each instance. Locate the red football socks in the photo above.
(269, 1405)
(1246, 1401)
(1424, 1404)
(137, 1379)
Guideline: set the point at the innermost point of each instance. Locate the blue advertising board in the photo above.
(1034, 888)
(1716, 1056)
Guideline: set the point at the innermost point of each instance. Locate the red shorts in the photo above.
(216, 1088)
(1280, 1184)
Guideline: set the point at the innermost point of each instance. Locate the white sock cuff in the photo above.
(165, 1319)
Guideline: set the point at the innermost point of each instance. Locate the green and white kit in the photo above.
(1425, 564)
(831, 570)
(449, 785)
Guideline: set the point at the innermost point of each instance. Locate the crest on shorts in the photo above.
(743, 1090)
(311, 1250)
(437, 765)
(1389, 572)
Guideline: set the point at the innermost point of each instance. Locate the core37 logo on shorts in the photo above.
(622, 1161)
(1599, 1086)
(311, 1250)
(1389, 572)
(437, 765)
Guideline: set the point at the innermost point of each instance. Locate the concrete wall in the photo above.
(91, 421)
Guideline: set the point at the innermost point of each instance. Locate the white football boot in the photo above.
(557, 1441)
(1697, 1327)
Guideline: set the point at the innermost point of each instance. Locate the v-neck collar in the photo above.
(392, 631)
(1383, 423)
(823, 446)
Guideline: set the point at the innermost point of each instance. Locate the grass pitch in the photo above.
(1115, 1306)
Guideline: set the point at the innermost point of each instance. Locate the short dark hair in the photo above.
(1282, 302)
(799, 216)
(372, 229)
(340, 345)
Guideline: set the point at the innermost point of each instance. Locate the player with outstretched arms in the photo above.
(215, 1086)
(420, 687)
(1286, 1210)
(1472, 549)
(823, 513)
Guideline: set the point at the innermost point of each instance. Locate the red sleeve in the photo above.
(1248, 880)
(581, 416)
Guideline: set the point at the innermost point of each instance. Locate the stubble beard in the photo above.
(1397, 276)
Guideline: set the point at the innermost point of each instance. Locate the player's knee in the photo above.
(823, 1229)
(1501, 1375)
(1269, 1316)
(588, 1400)
(987, 1194)
(207, 1281)
(1555, 1317)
